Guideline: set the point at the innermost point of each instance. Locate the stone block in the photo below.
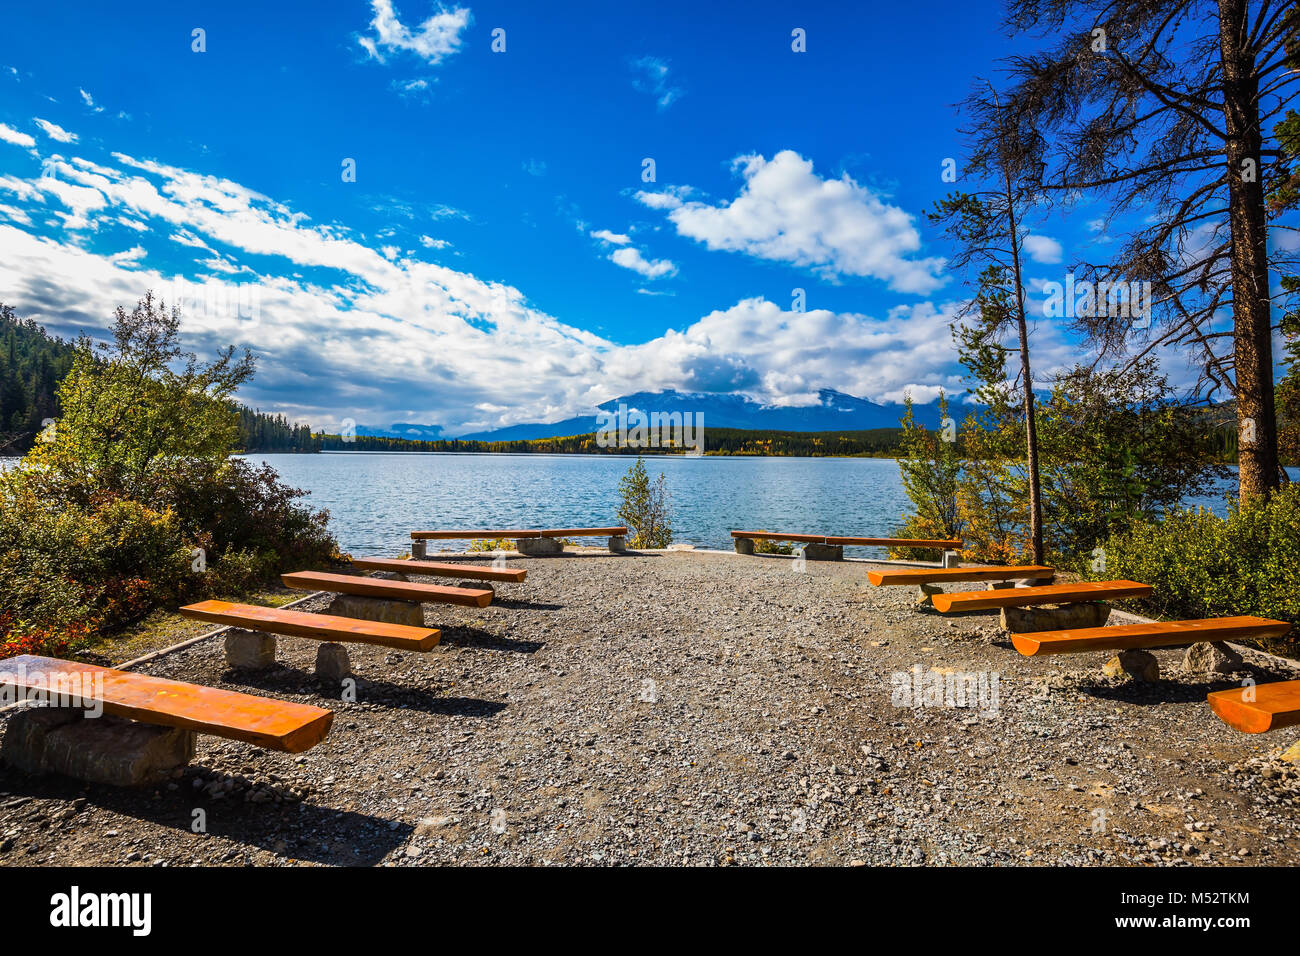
(377, 609)
(419, 549)
(1211, 657)
(539, 547)
(823, 552)
(743, 545)
(1054, 617)
(617, 544)
(333, 665)
(1137, 664)
(107, 750)
(924, 593)
(951, 559)
(249, 650)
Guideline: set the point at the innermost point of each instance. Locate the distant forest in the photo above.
(876, 442)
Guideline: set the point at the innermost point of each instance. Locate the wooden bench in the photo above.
(390, 590)
(1047, 594)
(1275, 706)
(528, 541)
(1153, 634)
(1025, 572)
(320, 627)
(273, 724)
(823, 547)
(435, 569)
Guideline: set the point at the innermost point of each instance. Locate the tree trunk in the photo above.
(1031, 426)
(1257, 460)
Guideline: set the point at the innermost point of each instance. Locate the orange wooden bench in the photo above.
(320, 627)
(273, 724)
(1275, 706)
(435, 569)
(392, 590)
(948, 543)
(535, 542)
(1047, 594)
(944, 575)
(519, 533)
(1152, 634)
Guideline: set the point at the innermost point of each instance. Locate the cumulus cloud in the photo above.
(432, 41)
(787, 213)
(10, 135)
(629, 257)
(54, 131)
(1043, 249)
(615, 238)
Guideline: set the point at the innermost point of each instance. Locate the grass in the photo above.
(164, 628)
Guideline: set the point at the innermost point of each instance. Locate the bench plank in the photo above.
(264, 721)
(1046, 594)
(1153, 634)
(392, 590)
(467, 535)
(1275, 706)
(583, 532)
(321, 627)
(841, 540)
(948, 544)
(436, 569)
(999, 572)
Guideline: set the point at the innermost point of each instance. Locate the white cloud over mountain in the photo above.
(344, 330)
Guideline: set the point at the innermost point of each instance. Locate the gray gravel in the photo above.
(701, 709)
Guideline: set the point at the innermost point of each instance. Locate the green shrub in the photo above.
(767, 546)
(1201, 565)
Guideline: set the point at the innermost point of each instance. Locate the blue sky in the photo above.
(499, 257)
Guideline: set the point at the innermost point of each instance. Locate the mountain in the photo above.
(835, 411)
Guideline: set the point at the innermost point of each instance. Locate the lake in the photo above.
(376, 499)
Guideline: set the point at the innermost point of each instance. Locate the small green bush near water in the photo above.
(645, 508)
(1201, 565)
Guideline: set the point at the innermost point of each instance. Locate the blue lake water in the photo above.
(376, 499)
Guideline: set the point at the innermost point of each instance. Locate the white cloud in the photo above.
(651, 76)
(432, 41)
(11, 135)
(630, 257)
(786, 213)
(615, 238)
(1043, 249)
(55, 131)
(430, 243)
(90, 101)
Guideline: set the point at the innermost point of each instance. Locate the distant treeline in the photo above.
(273, 433)
(32, 363)
(881, 442)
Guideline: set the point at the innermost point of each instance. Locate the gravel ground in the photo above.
(703, 709)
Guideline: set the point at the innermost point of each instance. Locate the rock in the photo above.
(951, 559)
(249, 650)
(823, 552)
(539, 547)
(1054, 617)
(924, 593)
(1291, 754)
(377, 609)
(743, 545)
(332, 663)
(108, 750)
(1207, 657)
(617, 544)
(1139, 665)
